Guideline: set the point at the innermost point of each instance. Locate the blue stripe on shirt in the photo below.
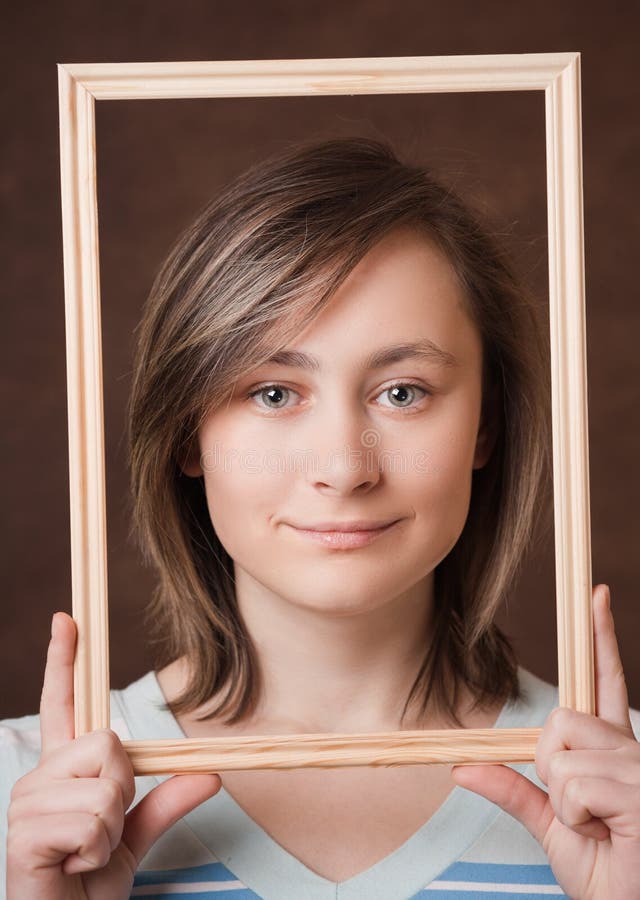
(492, 881)
(515, 874)
(207, 872)
(210, 880)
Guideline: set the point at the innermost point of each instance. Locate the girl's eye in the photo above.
(274, 392)
(399, 394)
(402, 393)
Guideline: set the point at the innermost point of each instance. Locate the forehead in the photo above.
(402, 299)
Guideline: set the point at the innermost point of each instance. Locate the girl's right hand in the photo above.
(69, 837)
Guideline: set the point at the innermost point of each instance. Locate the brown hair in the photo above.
(255, 267)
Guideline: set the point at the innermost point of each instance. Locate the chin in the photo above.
(333, 602)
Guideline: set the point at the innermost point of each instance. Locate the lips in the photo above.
(345, 536)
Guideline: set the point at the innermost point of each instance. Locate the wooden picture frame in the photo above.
(558, 75)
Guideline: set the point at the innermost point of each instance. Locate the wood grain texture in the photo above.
(438, 747)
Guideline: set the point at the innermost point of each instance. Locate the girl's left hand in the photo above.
(589, 822)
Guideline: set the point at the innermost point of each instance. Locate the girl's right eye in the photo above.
(276, 391)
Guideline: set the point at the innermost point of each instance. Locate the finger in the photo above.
(622, 765)
(612, 698)
(96, 755)
(101, 797)
(163, 806)
(568, 729)
(510, 790)
(56, 702)
(616, 804)
(59, 835)
(593, 828)
(565, 767)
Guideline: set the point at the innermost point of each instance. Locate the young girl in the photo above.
(338, 437)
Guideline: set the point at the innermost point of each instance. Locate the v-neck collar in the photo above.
(263, 865)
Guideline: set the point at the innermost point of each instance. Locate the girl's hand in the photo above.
(589, 823)
(68, 834)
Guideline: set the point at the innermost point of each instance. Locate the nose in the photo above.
(345, 455)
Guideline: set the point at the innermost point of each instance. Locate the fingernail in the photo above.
(607, 594)
(53, 625)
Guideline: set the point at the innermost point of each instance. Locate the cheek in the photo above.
(243, 449)
(441, 479)
(240, 479)
(443, 484)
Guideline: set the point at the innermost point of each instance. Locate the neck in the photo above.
(328, 671)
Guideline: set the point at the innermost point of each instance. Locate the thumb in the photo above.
(163, 806)
(510, 790)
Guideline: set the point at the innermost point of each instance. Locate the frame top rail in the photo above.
(293, 77)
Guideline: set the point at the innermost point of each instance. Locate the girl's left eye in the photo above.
(398, 391)
(401, 389)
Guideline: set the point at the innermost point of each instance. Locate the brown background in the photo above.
(160, 161)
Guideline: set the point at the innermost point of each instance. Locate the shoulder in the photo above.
(540, 697)
(19, 748)
(19, 754)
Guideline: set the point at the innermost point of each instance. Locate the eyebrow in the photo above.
(384, 356)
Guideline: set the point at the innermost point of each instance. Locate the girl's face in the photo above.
(339, 437)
